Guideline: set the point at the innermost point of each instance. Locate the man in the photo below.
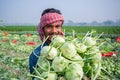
(50, 24)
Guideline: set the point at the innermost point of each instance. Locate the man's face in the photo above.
(53, 29)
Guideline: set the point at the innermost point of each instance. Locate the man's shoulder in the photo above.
(38, 49)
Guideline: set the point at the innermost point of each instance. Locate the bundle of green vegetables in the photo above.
(70, 58)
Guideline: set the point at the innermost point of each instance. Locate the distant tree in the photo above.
(117, 22)
(108, 23)
(94, 23)
(70, 21)
(1, 20)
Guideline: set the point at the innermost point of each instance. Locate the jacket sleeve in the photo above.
(32, 62)
(33, 58)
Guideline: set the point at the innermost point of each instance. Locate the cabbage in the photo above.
(74, 71)
(68, 50)
(49, 52)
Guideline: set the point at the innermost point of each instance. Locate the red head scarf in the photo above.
(46, 19)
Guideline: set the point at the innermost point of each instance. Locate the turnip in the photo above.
(57, 40)
(70, 58)
(49, 75)
(59, 64)
(96, 54)
(81, 48)
(68, 50)
(49, 52)
(43, 64)
(77, 58)
(74, 71)
(46, 76)
(89, 41)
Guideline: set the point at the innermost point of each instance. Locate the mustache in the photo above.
(54, 33)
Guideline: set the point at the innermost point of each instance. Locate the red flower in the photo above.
(31, 43)
(118, 39)
(29, 34)
(14, 41)
(109, 54)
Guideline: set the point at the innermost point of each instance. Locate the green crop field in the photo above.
(17, 42)
(109, 31)
(78, 29)
(98, 29)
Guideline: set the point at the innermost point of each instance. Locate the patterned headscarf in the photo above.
(46, 19)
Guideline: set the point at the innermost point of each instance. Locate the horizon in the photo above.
(29, 11)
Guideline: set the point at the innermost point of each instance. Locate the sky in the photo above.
(29, 11)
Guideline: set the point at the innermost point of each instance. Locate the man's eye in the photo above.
(58, 26)
(48, 26)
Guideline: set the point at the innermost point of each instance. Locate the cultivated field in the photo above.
(17, 42)
(78, 29)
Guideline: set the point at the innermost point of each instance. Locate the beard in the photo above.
(52, 35)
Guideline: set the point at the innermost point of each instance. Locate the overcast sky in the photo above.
(29, 11)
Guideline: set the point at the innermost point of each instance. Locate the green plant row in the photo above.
(77, 29)
(98, 29)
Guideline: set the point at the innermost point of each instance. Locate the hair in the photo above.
(51, 10)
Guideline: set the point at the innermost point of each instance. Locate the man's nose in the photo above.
(54, 30)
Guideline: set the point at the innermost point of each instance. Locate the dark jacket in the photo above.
(33, 58)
